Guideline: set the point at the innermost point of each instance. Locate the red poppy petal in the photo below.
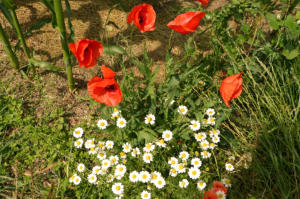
(132, 13)
(81, 46)
(88, 60)
(217, 185)
(231, 87)
(149, 16)
(204, 2)
(107, 72)
(210, 194)
(72, 48)
(115, 96)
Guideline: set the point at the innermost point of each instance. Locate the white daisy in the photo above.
(126, 147)
(134, 176)
(195, 125)
(120, 169)
(77, 133)
(92, 178)
(216, 139)
(229, 167)
(110, 178)
(93, 151)
(118, 188)
(72, 178)
(173, 172)
(154, 176)
(226, 182)
(109, 144)
(194, 173)
(149, 147)
(161, 143)
(205, 154)
(214, 132)
(103, 171)
(173, 161)
(160, 182)
(147, 157)
(135, 152)
(101, 155)
(145, 195)
(144, 176)
(78, 143)
(210, 112)
(212, 145)
(184, 155)
(106, 164)
(184, 183)
(77, 180)
(96, 170)
(114, 159)
(80, 167)
(196, 162)
(182, 109)
(167, 135)
(121, 122)
(201, 185)
(102, 124)
(115, 114)
(123, 155)
(101, 145)
(211, 120)
(204, 145)
(89, 143)
(200, 136)
(180, 168)
(221, 194)
(150, 119)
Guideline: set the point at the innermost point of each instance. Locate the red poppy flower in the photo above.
(86, 52)
(187, 22)
(143, 17)
(218, 186)
(106, 91)
(210, 194)
(231, 87)
(204, 2)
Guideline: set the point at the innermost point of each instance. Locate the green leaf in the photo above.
(298, 15)
(68, 11)
(113, 50)
(6, 13)
(290, 54)
(49, 4)
(9, 4)
(44, 65)
(273, 22)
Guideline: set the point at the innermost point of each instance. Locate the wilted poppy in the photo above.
(210, 194)
(106, 91)
(143, 16)
(187, 22)
(218, 186)
(231, 87)
(204, 2)
(86, 52)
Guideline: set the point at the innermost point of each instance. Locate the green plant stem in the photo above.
(63, 38)
(7, 47)
(21, 37)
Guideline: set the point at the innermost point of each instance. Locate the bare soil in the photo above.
(88, 18)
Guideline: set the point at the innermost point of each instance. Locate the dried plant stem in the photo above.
(64, 43)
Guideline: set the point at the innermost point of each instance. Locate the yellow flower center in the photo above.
(180, 166)
(173, 162)
(77, 132)
(194, 173)
(173, 170)
(102, 124)
(73, 177)
(204, 144)
(105, 163)
(92, 149)
(92, 142)
(207, 169)
(124, 161)
(148, 146)
(159, 182)
(183, 155)
(154, 176)
(144, 176)
(145, 195)
(161, 141)
(121, 122)
(201, 184)
(220, 195)
(118, 188)
(210, 112)
(78, 142)
(121, 169)
(183, 183)
(81, 167)
(148, 157)
(92, 178)
(196, 163)
(77, 179)
(205, 153)
(199, 136)
(212, 119)
(126, 147)
(167, 135)
(227, 181)
(195, 125)
(101, 145)
(149, 119)
(182, 110)
(133, 176)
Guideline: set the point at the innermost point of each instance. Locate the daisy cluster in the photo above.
(111, 161)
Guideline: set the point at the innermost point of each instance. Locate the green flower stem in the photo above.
(63, 38)
(7, 47)
(21, 37)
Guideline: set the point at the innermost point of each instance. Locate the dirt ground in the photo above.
(88, 19)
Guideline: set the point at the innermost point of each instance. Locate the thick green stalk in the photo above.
(7, 47)
(63, 38)
(21, 37)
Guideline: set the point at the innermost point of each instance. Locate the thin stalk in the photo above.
(63, 39)
(7, 47)
(21, 37)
